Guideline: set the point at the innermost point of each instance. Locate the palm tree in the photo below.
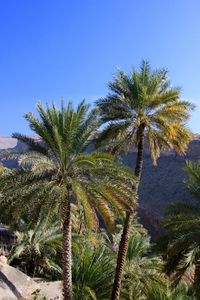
(57, 171)
(181, 293)
(181, 242)
(143, 276)
(93, 270)
(35, 249)
(142, 107)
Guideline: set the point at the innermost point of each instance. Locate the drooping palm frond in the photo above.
(143, 273)
(93, 272)
(63, 136)
(181, 242)
(193, 170)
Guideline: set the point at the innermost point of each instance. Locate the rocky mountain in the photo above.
(165, 182)
(8, 143)
(160, 185)
(17, 285)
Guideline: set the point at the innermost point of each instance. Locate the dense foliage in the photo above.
(73, 206)
(181, 239)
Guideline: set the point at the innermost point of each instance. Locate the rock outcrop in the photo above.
(16, 285)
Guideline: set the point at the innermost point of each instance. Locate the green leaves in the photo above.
(93, 273)
(56, 159)
(144, 98)
(34, 248)
(193, 183)
(143, 278)
(181, 242)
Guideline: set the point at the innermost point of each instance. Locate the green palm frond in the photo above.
(57, 157)
(93, 274)
(143, 273)
(144, 98)
(34, 248)
(181, 242)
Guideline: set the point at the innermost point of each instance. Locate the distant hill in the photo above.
(166, 182)
(6, 142)
(160, 185)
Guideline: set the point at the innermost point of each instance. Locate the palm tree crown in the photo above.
(58, 160)
(144, 101)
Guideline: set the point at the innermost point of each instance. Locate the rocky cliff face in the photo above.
(7, 142)
(166, 182)
(160, 185)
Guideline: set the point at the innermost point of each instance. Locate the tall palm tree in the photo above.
(142, 107)
(181, 242)
(57, 171)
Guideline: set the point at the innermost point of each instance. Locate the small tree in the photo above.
(36, 248)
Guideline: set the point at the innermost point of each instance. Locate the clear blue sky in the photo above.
(60, 48)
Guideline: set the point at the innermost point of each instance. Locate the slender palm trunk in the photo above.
(123, 246)
(197, 279)
(139, 159)
(67, 256)
(121, 259)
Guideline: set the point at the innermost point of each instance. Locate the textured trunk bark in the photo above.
(121, 259)
(139, 159)
(197, 279)
(67, 257)
(123, 246)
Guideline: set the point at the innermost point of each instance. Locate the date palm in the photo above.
(142, 107)
(35, 248)
(93, 271)
(143, 272)
(57, 171)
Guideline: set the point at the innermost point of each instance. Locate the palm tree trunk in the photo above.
(121, 259)
(197, 279)
(67, 256)
(139, 159)
(123, 246)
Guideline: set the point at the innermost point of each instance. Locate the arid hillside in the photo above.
(165, 182)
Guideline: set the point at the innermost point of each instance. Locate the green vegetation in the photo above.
(181, 239)
(72, 206)
(142, 107)
(36, 248)
(57, 171)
